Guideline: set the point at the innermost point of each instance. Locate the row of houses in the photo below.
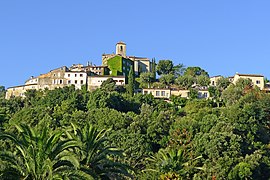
(117, 67)
(203, 92)
(61, 77)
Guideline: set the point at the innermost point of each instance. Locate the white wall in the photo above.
(76, 78)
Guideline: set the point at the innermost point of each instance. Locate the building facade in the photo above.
(166, 93)
(257, 80)
(94, 82)
(140, 64)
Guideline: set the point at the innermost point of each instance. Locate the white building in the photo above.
(95, 82)
(76, 78)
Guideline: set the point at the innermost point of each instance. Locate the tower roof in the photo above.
(121, 42)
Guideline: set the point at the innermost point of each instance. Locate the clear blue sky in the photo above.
(223, 37)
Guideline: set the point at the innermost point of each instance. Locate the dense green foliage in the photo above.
(115, 65)
(110, 134)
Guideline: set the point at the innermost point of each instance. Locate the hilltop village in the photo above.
(117, 67)
(133, 118)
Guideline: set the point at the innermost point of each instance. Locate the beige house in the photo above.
(257, 80)
(18, 91)
(214, 80)
(167, 93)
(180, 92)
(95, 82)
(158, 93)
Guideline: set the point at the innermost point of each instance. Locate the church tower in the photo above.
(121, 49)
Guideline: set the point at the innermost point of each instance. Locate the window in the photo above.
(81, 75)
(68, 75)
(162, 93)
(76, 82)
(157, 93)
(69, 81)
(213, 83)
(75, 75)
(81, 81)
(258, 82)
(145, 92)
(61, 81)
(205, 95)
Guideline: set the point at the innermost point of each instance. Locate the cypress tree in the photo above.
(153, 69)
(131, 82)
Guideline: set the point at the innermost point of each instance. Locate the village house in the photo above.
(166, 93)
(256, 79)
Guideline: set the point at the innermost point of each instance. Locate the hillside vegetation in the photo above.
(110, 134)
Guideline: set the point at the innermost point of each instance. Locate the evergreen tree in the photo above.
(153, 69)
(131, 82)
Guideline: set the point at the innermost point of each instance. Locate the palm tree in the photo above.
(172, 163)
(37, 155)
(96, 158)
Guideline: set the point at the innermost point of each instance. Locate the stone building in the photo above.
(141, 64)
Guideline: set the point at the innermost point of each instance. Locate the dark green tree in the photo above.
(108, 85)
(203, 80)
(146, 79)
(2, 92)
(223, 83)
(195, 71)
(131, 82)
(154, 69)
(185, 81)
(167, 79)
(164, 67)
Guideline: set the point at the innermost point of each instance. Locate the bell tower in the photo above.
(121, 49)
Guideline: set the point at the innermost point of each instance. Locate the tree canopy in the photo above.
(109, 134)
